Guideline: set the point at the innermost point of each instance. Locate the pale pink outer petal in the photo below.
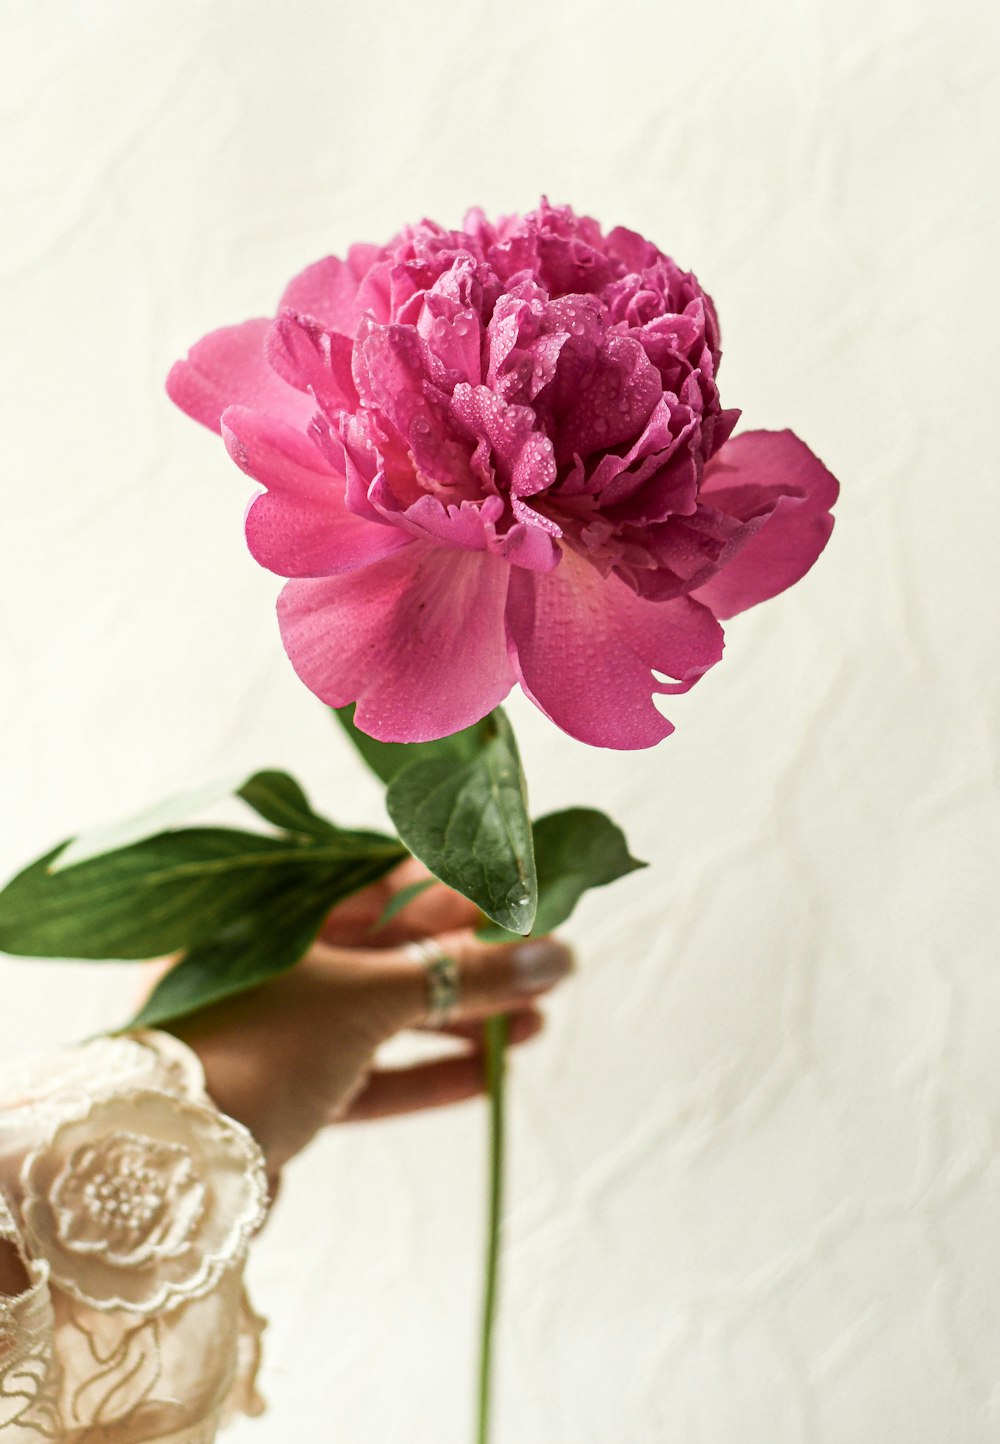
(751, 476)
(229, 368)
(300, 526)
(587, 648)
(417, 640)
(328, 291)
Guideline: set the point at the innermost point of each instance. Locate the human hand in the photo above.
(298, 1052)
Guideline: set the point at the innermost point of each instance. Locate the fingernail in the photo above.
(539, 963)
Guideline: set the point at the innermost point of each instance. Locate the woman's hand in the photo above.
(298, 1052)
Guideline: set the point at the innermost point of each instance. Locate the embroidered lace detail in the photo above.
(41, 1090)
(178, 1068)
(143, 1201)
(28, 1373)
(128, 1198)
(139, 1060)
(131, 1201)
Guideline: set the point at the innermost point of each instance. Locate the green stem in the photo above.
(496, 1048)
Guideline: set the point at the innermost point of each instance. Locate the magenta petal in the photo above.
(587, 648)
(313, 359)
(521, 455)
(327, 291)
(299, 527)
(417, 640)
(389, 364)
(770, 478)
(601, 400)
(229, 368)
(471, 526)
(465, 525)
(452, 335)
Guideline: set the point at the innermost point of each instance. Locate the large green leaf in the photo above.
(239, 906)
(467, 820)
(270, 937)
(167, 892)
(387, 758)
(575, 850)
(176, 811)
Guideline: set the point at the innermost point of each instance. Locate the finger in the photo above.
(496, 978)
(354, 923)
(390, 1092)
(522, 1023)
(492, 977)
(435, 910)
(474, 1015)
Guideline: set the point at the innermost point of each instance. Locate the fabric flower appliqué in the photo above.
(42, 1089)
(143, 1202)
(131, 1199)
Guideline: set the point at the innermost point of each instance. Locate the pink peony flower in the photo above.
(497, 456)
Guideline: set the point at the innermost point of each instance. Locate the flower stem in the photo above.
(496, 1049)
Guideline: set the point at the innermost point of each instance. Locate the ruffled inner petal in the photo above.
(300, 526)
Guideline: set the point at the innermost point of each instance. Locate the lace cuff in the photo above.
(131, 1200)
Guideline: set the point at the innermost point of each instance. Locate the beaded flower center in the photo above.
(129, 1198)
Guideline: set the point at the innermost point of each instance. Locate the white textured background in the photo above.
(756, 1192)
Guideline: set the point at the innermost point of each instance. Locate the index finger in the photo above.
(435, 909)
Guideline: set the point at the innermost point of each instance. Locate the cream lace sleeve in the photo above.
(131, 1200)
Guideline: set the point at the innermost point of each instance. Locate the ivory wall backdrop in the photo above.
(755, 1192)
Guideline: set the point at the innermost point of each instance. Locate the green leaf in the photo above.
(270, 937)
(168, 892)
(171, 812)
(239, 906)
(274, 795)
(467, 821)
(575, 850)
(279, 799)
(386, 759)
(399, 901)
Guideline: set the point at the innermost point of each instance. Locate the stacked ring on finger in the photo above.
(442, 980)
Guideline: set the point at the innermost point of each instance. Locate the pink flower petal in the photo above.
(313, 359)
(390, 374)
(599, 399)
(299, 527)
(452, 335)
(417, 640)
(328, 291)
(587, 648)
(520, 455)
(470, 526)
(771, 480)
(229, 368)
